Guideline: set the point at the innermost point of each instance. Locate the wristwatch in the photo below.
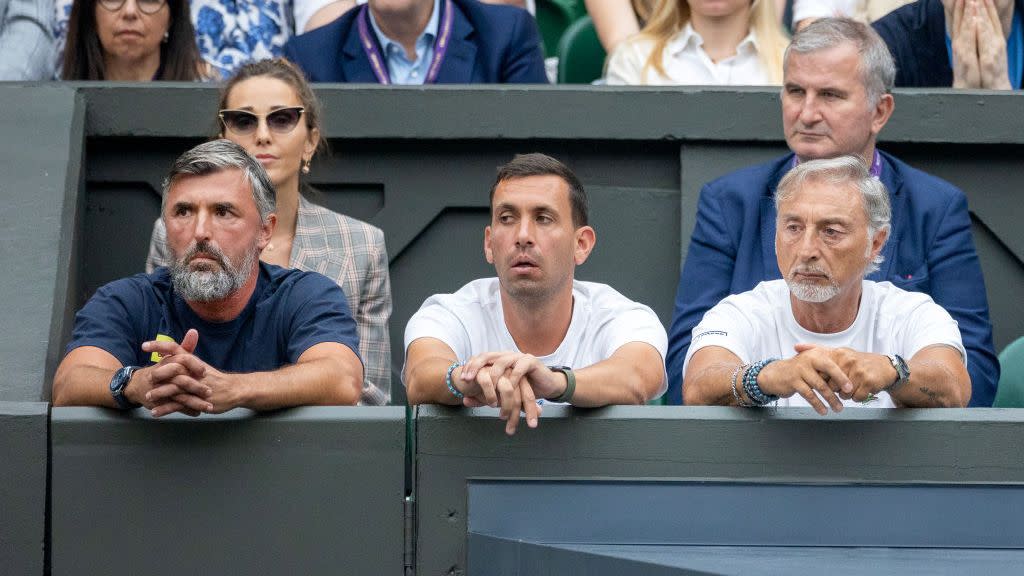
(118, 384)
(902, 372)
(570, 383)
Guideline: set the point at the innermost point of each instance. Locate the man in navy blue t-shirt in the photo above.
(217, 329)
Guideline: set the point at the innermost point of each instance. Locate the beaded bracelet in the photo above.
(448, 380)
(754, 392)
(735, 391)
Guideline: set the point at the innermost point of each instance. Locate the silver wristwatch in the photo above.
(902, 372)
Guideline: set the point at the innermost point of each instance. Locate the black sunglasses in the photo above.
(145, 6)
(243, 122)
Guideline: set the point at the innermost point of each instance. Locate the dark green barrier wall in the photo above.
(795, 446)
(40, 163)
(306, 491)
(22, 487)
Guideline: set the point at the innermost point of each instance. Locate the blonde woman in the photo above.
(703, 42)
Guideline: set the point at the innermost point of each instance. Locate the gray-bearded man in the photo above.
(217, 329)
(824, 336)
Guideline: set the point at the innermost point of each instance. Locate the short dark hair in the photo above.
(537, 164)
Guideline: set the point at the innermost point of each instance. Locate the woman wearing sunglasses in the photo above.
(132, 40)
(268, 108)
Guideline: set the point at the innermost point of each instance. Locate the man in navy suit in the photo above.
(423, 42)
(838, 75)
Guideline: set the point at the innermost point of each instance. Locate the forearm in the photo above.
(425, 382)
(321, 381)
(615, 381)
(83, 386)
(934, 384)
(614, 21)
(711, 385)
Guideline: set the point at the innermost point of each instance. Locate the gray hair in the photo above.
(217, 155)
(848, 170)
(878, 71)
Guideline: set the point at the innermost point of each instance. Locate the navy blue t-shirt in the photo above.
(289, 312)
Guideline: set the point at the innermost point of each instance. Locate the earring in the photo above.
(167, 36)
(305, 166)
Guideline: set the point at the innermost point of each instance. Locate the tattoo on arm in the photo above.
(933, 397)
(946, 376)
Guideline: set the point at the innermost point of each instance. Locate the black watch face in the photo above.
(902, 370)
(121, 378)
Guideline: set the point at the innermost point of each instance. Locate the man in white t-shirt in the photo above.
(534, 334)
(824, 336)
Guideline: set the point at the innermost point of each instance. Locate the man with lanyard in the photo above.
(534, 334)
(958, 43)
(423, 42)
(837, 79)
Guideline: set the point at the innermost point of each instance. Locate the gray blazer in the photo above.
(26, 40)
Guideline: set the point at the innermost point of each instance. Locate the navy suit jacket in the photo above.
(490, 44)
(930, 250)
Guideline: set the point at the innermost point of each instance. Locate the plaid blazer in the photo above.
(352, 253)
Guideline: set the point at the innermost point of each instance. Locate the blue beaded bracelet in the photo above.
(448, 380)
(750, 386)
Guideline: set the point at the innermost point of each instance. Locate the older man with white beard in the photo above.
(824, 336)
(217, 329)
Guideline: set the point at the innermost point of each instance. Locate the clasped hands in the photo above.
(180, 382)
(832, 374)
(979, 46)
(512, 381)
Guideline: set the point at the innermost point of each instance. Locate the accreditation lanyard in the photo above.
(1014, 50)
(876, 164)
(377, 62)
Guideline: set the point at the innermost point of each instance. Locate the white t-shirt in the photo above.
(760, 324)
(686, 63)
(471, 321)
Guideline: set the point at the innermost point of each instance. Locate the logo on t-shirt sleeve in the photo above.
(710, 333)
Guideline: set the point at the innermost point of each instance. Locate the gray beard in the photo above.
(815, 293)
(209, 285)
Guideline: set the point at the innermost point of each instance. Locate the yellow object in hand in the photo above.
(155, 356)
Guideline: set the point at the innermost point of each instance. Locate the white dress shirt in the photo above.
(685, 62)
